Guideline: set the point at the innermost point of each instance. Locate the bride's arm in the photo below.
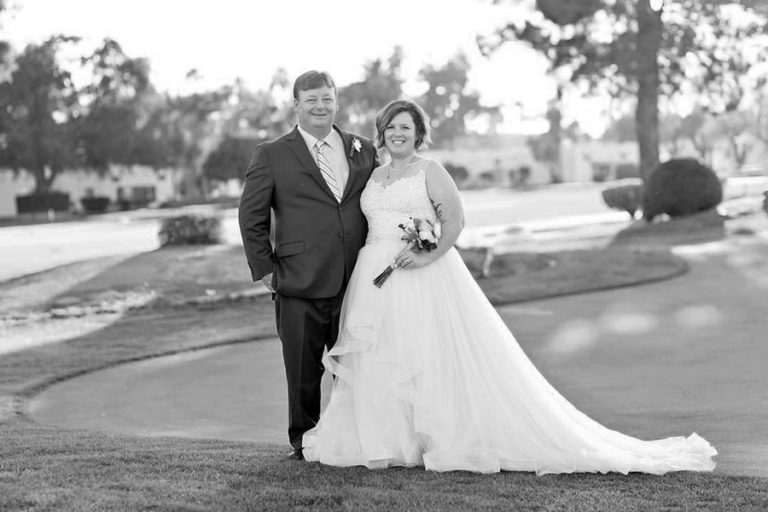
(447, 202)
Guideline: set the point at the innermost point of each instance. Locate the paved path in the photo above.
(33, 248)
(657, 360)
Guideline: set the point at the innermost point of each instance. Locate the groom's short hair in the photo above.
(312, 80)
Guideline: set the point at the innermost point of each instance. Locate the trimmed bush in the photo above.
(681, 187)
(132, 204)
(96, 204)
(624, 197)
(459, 173)
(219, 202)
(189, 230)
(36, 203)
(523, 175)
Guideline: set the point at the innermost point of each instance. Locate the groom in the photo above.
(311, 178)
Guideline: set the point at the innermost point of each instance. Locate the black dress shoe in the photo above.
(296, 454)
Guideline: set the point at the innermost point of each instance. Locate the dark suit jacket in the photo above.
(316, 238)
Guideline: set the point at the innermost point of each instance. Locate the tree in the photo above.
(38, 110)
(448, 101)
(626, 48)
(623, 129)
(696, 128)
(248, 118)
(118, 105)
(257, 115)
(230, 159)
(761, 112)
(734, 127)
(671, 133)
(359, 102)
(188, 126)
(4, 46)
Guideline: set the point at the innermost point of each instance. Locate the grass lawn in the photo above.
(48, 468)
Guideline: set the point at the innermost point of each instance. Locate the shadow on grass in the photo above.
(171, 274)
(520, 277)
(700, 228)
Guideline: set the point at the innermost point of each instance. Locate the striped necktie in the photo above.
(327, 171)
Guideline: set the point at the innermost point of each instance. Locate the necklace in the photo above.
(391, 168)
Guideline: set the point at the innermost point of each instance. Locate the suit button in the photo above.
(340, 235)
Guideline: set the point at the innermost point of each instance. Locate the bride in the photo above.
(427, 373)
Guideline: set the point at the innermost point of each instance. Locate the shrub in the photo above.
(681, 187)
(624, 171)
(524, 174)
(56, 201)
(190, 229)
(765, 201)
(220, 202)
(97, 204)
(624, 197)
(487, 177)
(132, 204)
(459, 173)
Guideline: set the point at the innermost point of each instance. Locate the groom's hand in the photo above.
(267, 280)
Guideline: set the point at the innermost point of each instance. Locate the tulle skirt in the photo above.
(428, 374)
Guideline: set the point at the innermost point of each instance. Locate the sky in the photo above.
(250, 39)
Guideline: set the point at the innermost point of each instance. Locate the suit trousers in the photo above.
(306, 327)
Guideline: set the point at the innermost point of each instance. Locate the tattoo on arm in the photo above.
(438, 209)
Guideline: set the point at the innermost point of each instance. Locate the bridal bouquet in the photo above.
(422, 236)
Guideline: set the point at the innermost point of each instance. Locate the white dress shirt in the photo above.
(334, 153)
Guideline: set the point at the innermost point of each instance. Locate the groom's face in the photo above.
(316, 110)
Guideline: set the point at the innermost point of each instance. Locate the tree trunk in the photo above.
(43, 180)
(740, 153)
(555, 118)
(647, 69)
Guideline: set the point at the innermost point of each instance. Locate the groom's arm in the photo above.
(254, 214)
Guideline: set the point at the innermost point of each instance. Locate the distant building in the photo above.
(137, 183)
(596, 160)
(720, 155)
(500, 156)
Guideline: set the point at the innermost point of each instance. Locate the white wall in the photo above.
(577, 159)
(7, 195)
(77, 183)
(481, 160)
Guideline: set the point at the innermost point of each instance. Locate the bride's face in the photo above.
(400, 135)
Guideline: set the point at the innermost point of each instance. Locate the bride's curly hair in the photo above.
(420, 121)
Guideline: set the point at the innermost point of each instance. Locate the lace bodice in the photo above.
(387, 205)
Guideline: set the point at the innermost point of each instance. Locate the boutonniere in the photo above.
(356, 147)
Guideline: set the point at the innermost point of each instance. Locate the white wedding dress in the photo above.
(427, 374)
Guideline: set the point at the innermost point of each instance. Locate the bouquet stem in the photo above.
(379, 280)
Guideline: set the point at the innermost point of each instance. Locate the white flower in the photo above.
(427, 236)
(356, 144)
(409, 225)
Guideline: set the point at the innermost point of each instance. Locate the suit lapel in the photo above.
(299, 147)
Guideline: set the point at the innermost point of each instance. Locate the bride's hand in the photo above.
(410, 259)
